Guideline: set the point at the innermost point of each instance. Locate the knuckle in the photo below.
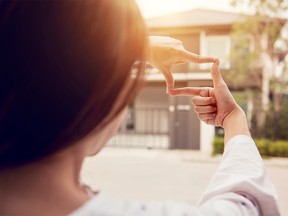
(171, 92)
(194, 100)
(179, 42)
(210, 108)
(198, 59)
(204, 93)
(202, 116)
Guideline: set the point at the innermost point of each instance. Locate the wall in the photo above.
(207, 133)
(152, 96)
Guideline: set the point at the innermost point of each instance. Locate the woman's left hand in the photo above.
(164, 52)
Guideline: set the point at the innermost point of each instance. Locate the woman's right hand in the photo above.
(218, 107)
(218, 103)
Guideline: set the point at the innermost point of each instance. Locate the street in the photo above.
(159, 175)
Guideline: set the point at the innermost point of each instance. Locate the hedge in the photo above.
(218, 145)
(267, 148)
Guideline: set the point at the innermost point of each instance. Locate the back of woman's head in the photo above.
(65, 70)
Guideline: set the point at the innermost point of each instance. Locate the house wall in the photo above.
(207, 133)
(152, 96)
(191, 42)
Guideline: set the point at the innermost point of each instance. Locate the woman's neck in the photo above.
(50, 187)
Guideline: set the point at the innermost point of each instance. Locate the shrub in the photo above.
(218, 145)
(278, 148)
(263, 146)
(266, 147)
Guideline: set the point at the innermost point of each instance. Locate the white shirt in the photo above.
(240, 186)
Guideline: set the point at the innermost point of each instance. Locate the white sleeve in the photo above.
(242, 172)
(240, 187)
(228, 204)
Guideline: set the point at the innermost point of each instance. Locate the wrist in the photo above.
(235, 124)
(236, 114)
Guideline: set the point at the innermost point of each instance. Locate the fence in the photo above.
(143, 128)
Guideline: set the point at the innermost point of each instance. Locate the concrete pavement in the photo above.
(159, 175)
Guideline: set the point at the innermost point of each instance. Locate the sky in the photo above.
(153, 8)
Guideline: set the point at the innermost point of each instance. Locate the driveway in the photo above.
(158, 175)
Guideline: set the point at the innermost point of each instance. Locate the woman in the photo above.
(65, 81)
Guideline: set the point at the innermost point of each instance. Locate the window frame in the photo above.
(204, 43)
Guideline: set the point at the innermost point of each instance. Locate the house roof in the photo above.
(195, 17)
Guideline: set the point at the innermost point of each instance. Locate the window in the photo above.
(216, 46)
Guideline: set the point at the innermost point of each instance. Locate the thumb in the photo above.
(216, 75)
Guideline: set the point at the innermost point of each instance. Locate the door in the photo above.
(185, 126)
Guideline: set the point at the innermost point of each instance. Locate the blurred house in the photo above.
(171, 120)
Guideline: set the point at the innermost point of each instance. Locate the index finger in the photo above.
(198, 59)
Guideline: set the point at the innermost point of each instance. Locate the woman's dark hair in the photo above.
(65, 70)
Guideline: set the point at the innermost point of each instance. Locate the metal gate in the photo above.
(143, 128)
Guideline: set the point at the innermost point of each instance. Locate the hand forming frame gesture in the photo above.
(165, 52)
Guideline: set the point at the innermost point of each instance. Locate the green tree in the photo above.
(254, 54)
